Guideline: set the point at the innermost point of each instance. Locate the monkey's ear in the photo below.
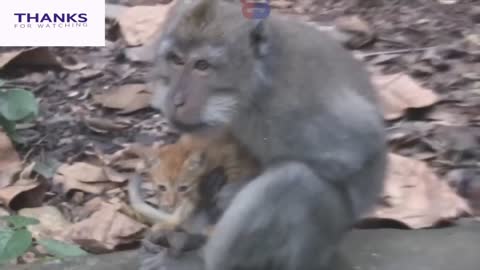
(202, 13)
(259, 39)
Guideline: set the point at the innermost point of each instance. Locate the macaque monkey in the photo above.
(177, 171)
(300, 104)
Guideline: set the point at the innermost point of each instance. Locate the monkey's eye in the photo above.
(162, 188)
(202, 65)
(174, 58)
(182, 189)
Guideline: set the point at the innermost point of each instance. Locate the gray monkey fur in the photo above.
(311, 118)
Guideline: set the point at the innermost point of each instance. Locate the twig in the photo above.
(397, 51)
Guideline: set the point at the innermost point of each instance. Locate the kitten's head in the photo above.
(176, 174)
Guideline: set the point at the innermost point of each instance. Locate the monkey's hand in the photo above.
(287, 218)
(172, 250)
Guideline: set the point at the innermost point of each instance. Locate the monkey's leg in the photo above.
(287, 218)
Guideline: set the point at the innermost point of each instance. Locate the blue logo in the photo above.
(255, 10)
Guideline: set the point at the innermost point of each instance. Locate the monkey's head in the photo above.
(209, 63)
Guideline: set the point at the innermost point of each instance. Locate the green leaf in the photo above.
(8, 126)
(61, 249)
(46, 167)
(18, 104)
(18, 243)
(20, 221)
(5, 235)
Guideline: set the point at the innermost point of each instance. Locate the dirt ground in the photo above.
(435, 43)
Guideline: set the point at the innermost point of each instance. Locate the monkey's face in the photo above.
(194, 93)
(205, 67)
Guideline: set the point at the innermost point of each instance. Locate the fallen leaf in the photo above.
(83, 172)
(103, 125)
(83, 176)
(139, 24)
(414, 196)
(6, 57)
(360, 31)
(52, 222)
(27, 191)
(400, 92)
(39, 56)
(10, 162)
(105, 230)
(31, 191)
(115, 176)
(128, 98)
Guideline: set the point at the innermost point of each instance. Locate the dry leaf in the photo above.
(10, 162)
(115, 176)
(400, 92)
(39, 56)
(83, 172)
(360, 32)
(27, 191)
(139, 24)
(52, 222)
(128, 98)
(414, 196)
(105, 230)
(6, 57)
(103, 125)
(32, 192)
(83, 176)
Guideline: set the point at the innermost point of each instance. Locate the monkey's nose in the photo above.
(178, 100)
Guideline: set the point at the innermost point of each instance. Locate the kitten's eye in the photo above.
(162, 188)
(202, 65)
(174, 58)
(182, 188)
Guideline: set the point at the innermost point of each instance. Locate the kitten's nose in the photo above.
(168, 202)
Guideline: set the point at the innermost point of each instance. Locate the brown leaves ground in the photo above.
(127, 98)
(423, 86)
(10, 162)
(139, 24)
(399, 92)
(415, 196)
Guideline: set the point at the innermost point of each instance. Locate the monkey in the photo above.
(300, 104)
(177, 170)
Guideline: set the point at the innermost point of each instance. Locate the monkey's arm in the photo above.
(287, 218)
(139, 205)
